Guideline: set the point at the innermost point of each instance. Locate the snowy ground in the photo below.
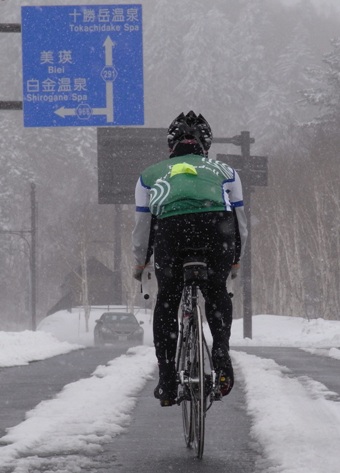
(296, 420)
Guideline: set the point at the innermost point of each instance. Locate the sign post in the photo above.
(253, 171)
(82, 65)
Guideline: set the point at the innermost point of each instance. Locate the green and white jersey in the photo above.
(184, 185)
(188, 184)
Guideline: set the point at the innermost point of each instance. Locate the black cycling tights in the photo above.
(215, 232)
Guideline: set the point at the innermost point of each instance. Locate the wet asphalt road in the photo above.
(23, 387)
(323, 369)
(153, 442)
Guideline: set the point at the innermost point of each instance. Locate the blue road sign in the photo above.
(82, 65)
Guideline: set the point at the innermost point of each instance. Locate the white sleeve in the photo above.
(236, 199)
(141, 231)
(236, 194)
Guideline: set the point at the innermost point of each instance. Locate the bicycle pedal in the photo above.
(179, 400)
(168, 402)
(183, 396)
(216, 396)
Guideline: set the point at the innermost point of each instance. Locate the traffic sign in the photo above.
(82, 65)
(235, 161)
(123, 153)
(254, 166)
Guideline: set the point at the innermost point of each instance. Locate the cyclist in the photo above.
(189, 201)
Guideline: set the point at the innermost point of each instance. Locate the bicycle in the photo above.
(198, 384)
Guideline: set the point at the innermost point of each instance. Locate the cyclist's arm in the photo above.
(242, 232)
(237, 240)
(141, 232)
(236, 199)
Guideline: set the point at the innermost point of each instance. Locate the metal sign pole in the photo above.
(246, 266)
(254, 172)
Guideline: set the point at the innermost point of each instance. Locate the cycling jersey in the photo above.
(188, 184)
(183, 185)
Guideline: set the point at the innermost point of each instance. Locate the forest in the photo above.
(271, 68)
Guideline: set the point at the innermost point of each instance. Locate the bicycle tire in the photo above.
(184, 365)
(192, 350)
(198, 397)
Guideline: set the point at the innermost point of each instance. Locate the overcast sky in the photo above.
(319, 3)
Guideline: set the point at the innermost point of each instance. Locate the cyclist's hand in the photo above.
(137, 272)
(234, 270)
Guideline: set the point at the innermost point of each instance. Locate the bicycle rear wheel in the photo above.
(197, 388)
(184, 367)
(190, 366)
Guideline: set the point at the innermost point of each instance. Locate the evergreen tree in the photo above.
(163, 60)
(207, 57)
(249, 67)
(277, 112)
(326, 91)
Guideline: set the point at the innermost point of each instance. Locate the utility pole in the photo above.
(33, 258)
(32, 245)
(117, 255)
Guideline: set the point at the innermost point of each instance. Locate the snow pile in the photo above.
(279, 330)
(19, 348)
(295, 420)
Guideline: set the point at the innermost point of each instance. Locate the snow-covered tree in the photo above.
(325, 94)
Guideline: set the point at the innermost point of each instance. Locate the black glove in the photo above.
(234, 270)
(137, 272)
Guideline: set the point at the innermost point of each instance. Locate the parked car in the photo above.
(117, 327)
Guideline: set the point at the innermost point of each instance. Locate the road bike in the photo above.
(198, 383)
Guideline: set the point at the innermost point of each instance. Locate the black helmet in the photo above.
(191, 129)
